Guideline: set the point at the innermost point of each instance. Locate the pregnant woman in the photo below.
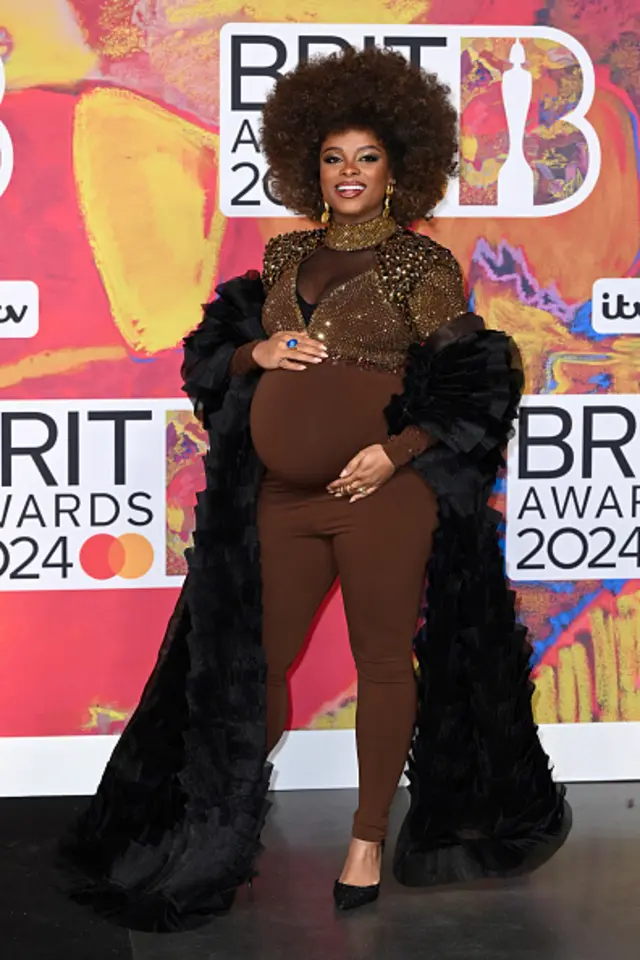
(357, 415)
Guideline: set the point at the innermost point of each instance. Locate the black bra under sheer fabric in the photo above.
(306, 309)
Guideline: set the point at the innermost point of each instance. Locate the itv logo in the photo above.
(616, 306)
(19, 309)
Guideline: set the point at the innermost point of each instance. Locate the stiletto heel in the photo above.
(346, 896)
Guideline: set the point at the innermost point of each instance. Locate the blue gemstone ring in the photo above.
(292, 344)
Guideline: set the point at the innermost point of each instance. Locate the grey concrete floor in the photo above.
(582, 905)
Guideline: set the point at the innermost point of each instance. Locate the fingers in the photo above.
(358, 486)
(307, 350)
(307, 353)
(354, 475)
(362, 493)
(353, 466)
(286, 364)
(363, 475)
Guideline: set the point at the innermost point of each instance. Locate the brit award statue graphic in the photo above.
(6, 145)
(516, 183)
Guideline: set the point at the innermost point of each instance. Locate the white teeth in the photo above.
(353, 189)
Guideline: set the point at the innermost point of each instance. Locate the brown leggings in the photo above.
(379, 547)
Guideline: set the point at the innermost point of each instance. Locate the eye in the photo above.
(331, 159)
(370, 158)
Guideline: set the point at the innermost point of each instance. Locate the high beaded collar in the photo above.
(359, 236)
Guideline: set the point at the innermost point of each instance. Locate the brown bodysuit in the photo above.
(367, 306)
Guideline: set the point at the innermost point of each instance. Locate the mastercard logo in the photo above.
(104, 556)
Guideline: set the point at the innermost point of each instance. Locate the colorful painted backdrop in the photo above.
(112, 108)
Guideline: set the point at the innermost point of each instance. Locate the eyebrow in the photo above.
(367, 146)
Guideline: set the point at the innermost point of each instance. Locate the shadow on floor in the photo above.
(36, 921)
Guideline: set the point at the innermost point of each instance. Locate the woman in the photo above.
(357, 416)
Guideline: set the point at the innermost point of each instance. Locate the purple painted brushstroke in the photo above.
(506, 264)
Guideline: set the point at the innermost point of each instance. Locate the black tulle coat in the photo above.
(175, 825)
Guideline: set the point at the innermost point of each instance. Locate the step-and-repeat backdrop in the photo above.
(131, 182)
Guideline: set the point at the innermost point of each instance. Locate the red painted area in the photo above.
(43, 237)
(67, 651)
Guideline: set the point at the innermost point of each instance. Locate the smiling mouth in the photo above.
(350, 191)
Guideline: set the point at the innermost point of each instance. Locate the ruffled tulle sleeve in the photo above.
(230, 323)
(462, 386)
(433, 304)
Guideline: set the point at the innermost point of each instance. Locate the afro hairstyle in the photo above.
(408, 110)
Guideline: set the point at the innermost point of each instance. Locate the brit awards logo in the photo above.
(82, 494)
(522, 93)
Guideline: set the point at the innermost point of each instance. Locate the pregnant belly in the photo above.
(307, 426)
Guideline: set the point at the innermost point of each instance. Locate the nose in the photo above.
(350, 168)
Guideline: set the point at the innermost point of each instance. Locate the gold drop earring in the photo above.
(326, 213)
(387, 200)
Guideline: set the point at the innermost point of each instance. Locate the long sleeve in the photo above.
(242, 361)
(223, 342)
(410, 443)
(437, 300)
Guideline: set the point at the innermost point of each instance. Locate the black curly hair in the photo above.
(407, 109)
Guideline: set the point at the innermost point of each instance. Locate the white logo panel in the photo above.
(83, 502)
(573, 491)
(19, 309)
(616, 306)
(254, 55)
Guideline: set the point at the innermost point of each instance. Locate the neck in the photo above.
(359, 236)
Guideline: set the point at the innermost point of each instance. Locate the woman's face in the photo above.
(354, 173)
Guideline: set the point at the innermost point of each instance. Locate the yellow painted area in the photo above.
(606, 673)
(545, 698)
(187, 12)
(582, 673)
(120, 33)
(147, 185)
(486, 175)
(567, 696)
(175, 517)
(101, 717)
(54, 363)
(48, 47)
(606, 662)
(338, 714)
(629, 658)
(123, 41)
(468, 147)
(536, 331)
(342, 718)
(553, 351)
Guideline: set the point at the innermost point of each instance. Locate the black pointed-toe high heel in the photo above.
(346, 896)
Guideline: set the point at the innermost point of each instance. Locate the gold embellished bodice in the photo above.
(412, 287)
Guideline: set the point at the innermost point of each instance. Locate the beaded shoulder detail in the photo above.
(406, 259)
(286, 250)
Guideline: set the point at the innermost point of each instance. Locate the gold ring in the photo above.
(362, 489)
